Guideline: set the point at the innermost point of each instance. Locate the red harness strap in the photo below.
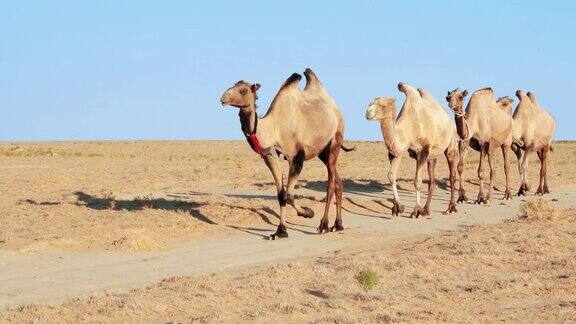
(255, 144)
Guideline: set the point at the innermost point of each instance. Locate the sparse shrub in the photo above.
(368, 279)
(540, 209)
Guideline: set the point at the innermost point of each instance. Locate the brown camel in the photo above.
(423, 130)
(299, 125)
(484, 126)
(535, 128)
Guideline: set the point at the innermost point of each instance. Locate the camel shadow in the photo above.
(97, 203)
(241, 196)
(265, 213)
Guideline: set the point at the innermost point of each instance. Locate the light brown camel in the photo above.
(299, 125)
(535, 127)
(484, 126)
(423, 130)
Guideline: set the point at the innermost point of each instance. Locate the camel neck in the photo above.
(248, 120)
(388, 128)
(461, 125)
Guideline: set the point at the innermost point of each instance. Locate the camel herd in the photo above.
(304, 124)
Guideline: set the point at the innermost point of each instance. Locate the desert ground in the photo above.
(67, 205)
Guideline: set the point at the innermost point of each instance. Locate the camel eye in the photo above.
(243, 92)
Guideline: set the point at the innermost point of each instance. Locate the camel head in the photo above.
(381, 108)
(505, 104)
(241, 95)
(455, 100)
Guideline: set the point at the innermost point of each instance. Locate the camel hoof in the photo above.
(306, 212)
(425, 212)
(323, 228)
(337, 227)
(451, 209)
(479, 199)
(486, 199)
(397, 209)
(546, 190)
(462, 197)
(280, 233)
(539, 192)
(417, 212)
(523, 190)
(507, 195)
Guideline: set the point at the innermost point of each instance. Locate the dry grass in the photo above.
(538, 209)
(517, 271)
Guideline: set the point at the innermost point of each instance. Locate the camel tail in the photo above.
(347, 149)
(517, 142)
(551, 148)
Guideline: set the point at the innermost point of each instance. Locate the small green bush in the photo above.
(368, 279)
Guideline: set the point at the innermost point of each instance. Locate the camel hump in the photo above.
(406, 88)
(424, 93)
(311, 79)
(292, 81)
(532, 97)
(522, 96)
(484, 93)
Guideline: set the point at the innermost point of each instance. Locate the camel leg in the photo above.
(481, 198)
(525, 187)
(274, 166)
(295, 165)
(542, 156)
(330, 154)
(339, 187)
(545, 166)
(463, 149)
(490, 154)
(518, 152)
(397, 207)
(451, 157)
(505, 155)
(431, 186)
(422, 157)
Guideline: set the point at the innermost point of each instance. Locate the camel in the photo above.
(535, 128)
(484, 126)
(423, 130)
(299, 125)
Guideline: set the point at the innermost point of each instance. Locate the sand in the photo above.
(130, 199)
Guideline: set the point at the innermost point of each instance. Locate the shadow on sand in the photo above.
(97, 203)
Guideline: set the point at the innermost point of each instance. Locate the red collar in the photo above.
(255, 144)
(254, 141)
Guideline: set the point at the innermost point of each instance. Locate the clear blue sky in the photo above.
(73, 70)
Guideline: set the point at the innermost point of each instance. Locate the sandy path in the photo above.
(56, 276)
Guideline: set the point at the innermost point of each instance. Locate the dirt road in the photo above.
(55, 276)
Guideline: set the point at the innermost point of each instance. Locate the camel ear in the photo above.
(255, 87)
(465, 93)
(447, 93)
